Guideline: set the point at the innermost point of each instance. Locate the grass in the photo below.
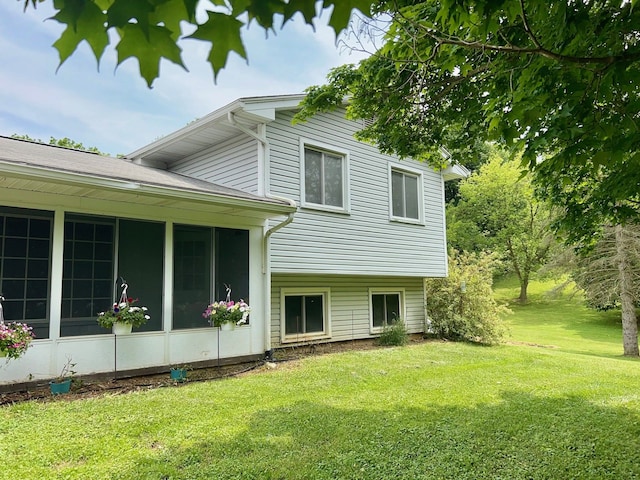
(434, 410)
(560, 319)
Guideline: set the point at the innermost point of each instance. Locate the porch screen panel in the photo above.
(141, 264)
(192, 269)
(87, 278)
(232, 263)
(25, 265)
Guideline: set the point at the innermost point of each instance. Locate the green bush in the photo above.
(394, 334)
(461, 306)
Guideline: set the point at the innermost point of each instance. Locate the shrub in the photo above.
(461, 306)
(394, 334)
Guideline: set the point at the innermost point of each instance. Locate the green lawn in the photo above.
(560, 319)
(436, 410)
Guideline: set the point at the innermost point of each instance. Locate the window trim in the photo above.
(331, 149)
(386, 291)
(29, 214)
(303, 337)
(414, 172)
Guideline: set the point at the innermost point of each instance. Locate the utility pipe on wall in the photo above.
(264, 152)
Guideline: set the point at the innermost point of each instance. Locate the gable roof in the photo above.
(213, 128)
(218, 126)
(49, 163)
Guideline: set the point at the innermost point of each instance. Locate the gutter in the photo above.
(266, 263)
(33, 172)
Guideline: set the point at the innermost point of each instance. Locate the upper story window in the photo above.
(406, 195)
(324, 178)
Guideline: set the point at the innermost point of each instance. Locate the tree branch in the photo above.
(476, 45)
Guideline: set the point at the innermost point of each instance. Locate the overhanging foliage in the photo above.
(150, 30)
(558, 80)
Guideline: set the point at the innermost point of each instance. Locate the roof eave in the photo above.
(455, 171)
(43, 174)
(256, 109)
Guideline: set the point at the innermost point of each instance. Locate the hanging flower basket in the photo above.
(123, 314)
(227, 314)
(15, 339)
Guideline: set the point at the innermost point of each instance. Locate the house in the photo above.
(326, 238)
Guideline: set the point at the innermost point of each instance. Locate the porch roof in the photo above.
(48, 164)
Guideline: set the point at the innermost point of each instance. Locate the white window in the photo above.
(406, 194)
(324, 173)
(304, 314)
(385, 308)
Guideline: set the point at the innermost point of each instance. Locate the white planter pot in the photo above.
(122, 328)
(227, 327)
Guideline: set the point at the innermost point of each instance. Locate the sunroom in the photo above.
(74, 226)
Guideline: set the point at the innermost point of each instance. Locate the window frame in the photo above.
(29, 259)
(69, 321)
(385, 291)
(326, 310)
(412, 172)
(215, 278)
(325, 148)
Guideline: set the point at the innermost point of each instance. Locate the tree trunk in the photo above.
(629, 320)
(524, 284)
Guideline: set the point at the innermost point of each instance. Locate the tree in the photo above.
(498, 211)
(60, 142)
(609, 273)
(150, 30)
(558, 79)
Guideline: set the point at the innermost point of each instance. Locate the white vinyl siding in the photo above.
(350, 306)
(233, 163)
(365, 242)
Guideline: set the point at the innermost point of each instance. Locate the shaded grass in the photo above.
(434, 410)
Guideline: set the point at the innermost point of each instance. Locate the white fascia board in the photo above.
(78, 179)
(258, 109)
(178, 135)
(455, 171)
(281, 102)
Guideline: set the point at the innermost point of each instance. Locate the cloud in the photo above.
(114, 110)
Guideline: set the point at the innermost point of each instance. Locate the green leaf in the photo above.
(223, 31)
(264, 10)
(148, 49)
(171, 14)
(342, 10)
(306, 7)
(85, 21)
(123, 11)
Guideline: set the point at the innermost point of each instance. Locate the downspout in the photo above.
(266, 261)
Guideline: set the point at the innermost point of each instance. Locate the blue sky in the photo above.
(113, 109)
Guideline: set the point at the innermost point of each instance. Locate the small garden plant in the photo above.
(394, 334)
